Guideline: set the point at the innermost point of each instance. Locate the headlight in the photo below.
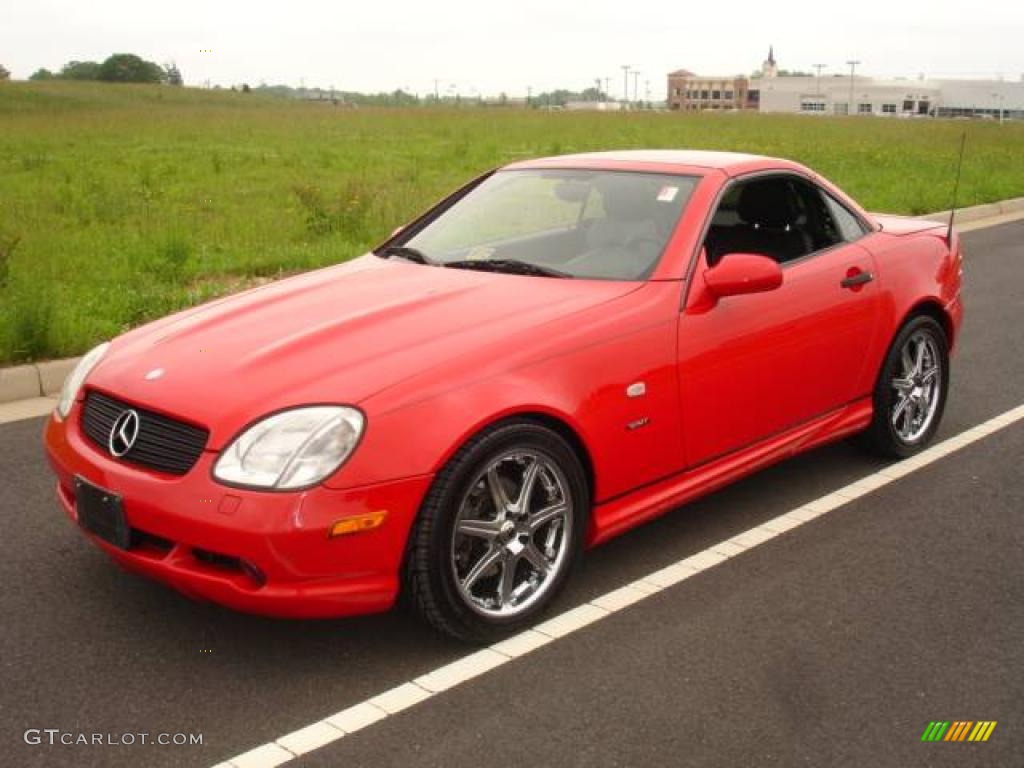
(291, 449)
(73, 383)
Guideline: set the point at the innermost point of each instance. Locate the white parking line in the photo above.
(473, 665)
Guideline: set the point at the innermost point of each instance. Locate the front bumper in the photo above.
(259, 552)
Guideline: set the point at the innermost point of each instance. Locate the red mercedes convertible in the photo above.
(558, 351)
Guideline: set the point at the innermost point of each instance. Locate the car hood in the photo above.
(336, 335)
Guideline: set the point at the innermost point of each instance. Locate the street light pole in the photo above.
(817, 87)
(625, 83)
(999, 101)
(853, 66)
(636, 86)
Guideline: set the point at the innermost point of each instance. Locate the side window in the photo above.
(816, 220)
(769, 215)
(850, 227)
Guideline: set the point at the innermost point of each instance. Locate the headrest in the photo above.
(768, 203)
(627, 197)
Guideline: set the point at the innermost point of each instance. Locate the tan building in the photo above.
(688, 92)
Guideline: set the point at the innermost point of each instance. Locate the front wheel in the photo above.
(498, 532)
(911, 390)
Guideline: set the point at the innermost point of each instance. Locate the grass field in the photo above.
(119, 203)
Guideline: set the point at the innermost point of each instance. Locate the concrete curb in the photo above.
(19, 383)
(978, 212)
(53, 373)
(24, 382)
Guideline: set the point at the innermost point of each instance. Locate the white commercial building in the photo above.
(842, 95)
(595, 106)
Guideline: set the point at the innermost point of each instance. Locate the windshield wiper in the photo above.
(407, 253)
(511, 266)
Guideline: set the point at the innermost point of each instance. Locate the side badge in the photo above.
(636, 389)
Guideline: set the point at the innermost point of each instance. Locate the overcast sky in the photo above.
(478, 46)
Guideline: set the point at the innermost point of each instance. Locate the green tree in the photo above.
(5, 74)
(41, 74)
(129, 68)
(80, 70)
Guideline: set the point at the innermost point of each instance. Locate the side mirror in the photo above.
(738, 273)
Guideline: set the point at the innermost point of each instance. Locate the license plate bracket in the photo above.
(101, 512)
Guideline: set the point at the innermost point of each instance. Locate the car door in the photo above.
(751, 366)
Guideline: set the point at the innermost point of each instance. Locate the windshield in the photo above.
(564, 223)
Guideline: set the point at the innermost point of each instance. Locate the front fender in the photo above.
(631, 440)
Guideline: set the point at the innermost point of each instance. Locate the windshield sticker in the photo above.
(667, 194)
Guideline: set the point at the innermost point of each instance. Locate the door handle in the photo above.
(858, 279)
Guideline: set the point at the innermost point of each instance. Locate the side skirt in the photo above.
(619, 515)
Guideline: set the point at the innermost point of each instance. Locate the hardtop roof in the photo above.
(675, 158)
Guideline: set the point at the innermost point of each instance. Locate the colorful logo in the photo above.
(958, 730)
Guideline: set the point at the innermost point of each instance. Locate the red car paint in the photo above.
(432, 356)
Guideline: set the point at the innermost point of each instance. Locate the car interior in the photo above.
(616, 225)
(628, 238)
(620, 231)
(782, 217)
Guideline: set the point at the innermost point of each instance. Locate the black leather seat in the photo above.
(770, 224)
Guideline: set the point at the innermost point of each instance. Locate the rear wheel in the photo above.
(910, 393)
(498, 532)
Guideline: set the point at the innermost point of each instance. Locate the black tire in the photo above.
(430, 573)
(882, 437)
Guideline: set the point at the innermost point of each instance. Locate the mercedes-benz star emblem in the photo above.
(124, 433)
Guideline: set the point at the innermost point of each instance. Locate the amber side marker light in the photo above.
(357, 524)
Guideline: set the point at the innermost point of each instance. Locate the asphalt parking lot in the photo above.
(833, 644)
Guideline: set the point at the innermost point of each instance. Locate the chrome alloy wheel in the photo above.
(512, 534)
(917, 387)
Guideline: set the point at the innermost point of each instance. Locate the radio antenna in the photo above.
(956, 187)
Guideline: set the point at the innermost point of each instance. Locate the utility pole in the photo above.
(529, 95)
(853, 67)
(818, 68)
(636, 87)
(607, 88)
(625, 83)
(597, 82)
